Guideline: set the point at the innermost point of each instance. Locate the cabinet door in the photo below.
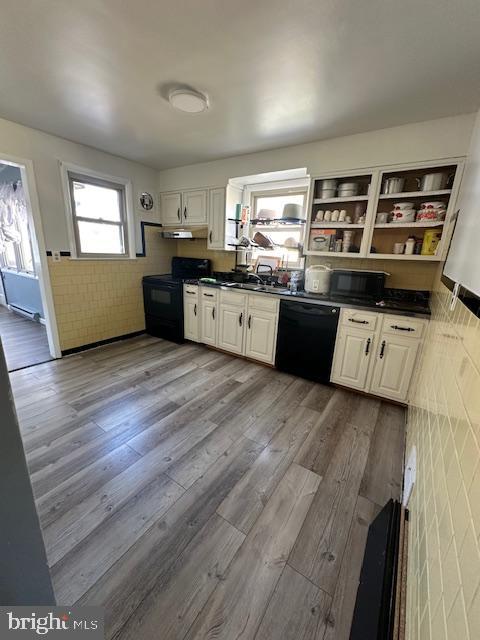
(353, 352)
(171, 208)
(216, 219)
(394, 364)
(231, 328)
(195, 207)
(191, 317)
(208, 331)
(261, 335)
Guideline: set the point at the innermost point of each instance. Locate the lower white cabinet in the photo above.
(191, 313)
(352, 357)
(261, 335)
(208, 315)
(379, 361)
(231, 323)
(395, 361)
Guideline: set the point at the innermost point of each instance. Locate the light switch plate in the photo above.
(56, 256)
(410, 475)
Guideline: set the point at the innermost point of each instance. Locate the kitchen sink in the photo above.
(253, 286)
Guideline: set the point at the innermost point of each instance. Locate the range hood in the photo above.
(177, 234)
(191, 233)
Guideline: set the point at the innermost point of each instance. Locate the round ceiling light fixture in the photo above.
(188, 100)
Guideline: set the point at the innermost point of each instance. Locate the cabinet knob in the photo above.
(195, 309)
(178, 213)
(185, 213)
(213, 313)
(249, 322)
(367, 346)
(210, 236)
(240, 319)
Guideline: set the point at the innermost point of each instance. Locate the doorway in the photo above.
(27, 323)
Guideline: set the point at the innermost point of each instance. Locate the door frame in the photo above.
(38, 247)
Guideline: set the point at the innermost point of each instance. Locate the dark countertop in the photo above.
(399, 301)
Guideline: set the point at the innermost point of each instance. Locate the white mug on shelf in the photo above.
(398, 248)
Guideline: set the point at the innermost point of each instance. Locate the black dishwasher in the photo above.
(306, 339)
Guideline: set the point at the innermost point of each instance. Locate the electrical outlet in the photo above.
(56, 256)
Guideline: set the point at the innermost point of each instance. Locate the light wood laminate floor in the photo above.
(24, 341)
(198, 495)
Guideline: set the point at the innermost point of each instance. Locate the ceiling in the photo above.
(277, 72)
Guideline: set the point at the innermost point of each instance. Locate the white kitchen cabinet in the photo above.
(171, 208)
(191, 313)
(352, 358)
(261, 335)
(378, 355)
(395, 361)
(208, 315)
(194, 207)
(216, 219)
(231, 328)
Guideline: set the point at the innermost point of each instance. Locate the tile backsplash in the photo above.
(443, 588)
(403, 274)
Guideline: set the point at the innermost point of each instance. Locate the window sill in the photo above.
(24, 274)
(106, 258)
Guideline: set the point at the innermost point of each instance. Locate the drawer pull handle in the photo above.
(195, 309)
(191, 293)
(358, 321)
(240, 319)
(382, 350)
(208, 295)
(398, 328)
(367, 346)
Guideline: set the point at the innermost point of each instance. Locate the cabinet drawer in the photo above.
(359, 319)
(233, 298)
(208, 293)
(404, 326)
(190, 290)
(263, 303)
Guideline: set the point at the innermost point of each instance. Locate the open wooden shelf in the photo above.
(402, 256)
(414, 194)
(335, 225)
(345, 199)
(410, 225)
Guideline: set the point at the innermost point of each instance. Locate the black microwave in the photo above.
(358, 284)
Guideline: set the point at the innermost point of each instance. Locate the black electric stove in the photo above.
(163, 297)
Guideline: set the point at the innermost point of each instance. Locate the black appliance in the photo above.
(368, 285)
(374, 613)
(306, 339)
(163, 297)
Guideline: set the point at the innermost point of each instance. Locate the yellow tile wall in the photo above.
(197, 248)
(100, 299)
(443, 588)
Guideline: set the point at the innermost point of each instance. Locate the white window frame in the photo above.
(281, 188)
(71, 170)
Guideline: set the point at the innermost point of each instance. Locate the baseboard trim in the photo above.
(101, 343)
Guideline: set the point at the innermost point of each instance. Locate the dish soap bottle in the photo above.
(410, 245)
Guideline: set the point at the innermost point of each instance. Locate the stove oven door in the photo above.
(163, 303)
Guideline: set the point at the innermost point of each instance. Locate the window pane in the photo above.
(278, 202)
(10, 258)
(98, 203)
(96, 237)
(25, 246)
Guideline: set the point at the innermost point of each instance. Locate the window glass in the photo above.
(99, 203)
(100, 238)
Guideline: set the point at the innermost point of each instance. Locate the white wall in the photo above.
(431, 140)
(46, 151)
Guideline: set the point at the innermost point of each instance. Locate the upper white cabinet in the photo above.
(216, 219)
(171, 208)
(186, 208)
(376, 353)
(373, 214)
(195, 207)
